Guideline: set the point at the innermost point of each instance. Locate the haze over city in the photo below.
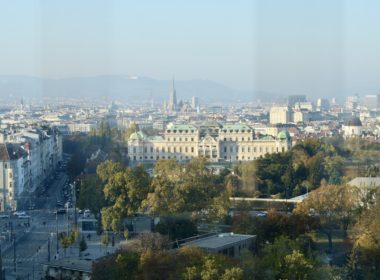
(320, 48)
(189, 140)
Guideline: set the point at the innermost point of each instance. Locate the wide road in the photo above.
(32, 242)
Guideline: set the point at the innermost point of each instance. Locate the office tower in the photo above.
(293, 99)
(194, 102)
(172, 99)
(371, 102)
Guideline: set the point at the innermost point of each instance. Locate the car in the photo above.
(19, 213)
(4, 216)
(261, 214)
(86, 213)
(60, 211)
(24, 217)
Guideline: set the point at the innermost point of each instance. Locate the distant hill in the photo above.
(123, 88)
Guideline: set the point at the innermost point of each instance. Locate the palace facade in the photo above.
(216, 142)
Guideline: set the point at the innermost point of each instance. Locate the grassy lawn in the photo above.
(341, 247)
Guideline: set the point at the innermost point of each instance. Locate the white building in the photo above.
(28, 158)
(352, 128)
(14, 174)
(218, 143)
(280, 114)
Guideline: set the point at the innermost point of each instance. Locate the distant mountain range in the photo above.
(124, 88)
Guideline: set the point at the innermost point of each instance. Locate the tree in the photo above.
(186, 188)
(127, 265)
(366, 236)
(90, 195)
(176, 228)
(248, 178)
(67, 240)
(333, 205)
(296, 266)
(125, 190)
(164, 197)
(107, 169)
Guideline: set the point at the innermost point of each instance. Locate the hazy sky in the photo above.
(324, 47)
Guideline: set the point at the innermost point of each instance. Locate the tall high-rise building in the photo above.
(352, 102)
(280, 114)
(371, 102)
(293, 99)
(194, 102)
(172, 106)
(323, 104)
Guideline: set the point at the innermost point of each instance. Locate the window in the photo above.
(151, 149)
(192, 139)
(186, 149)
(163, 149)
(134, 149)
(225, 149)
(168, 149)
(145, 150)
(192, 149)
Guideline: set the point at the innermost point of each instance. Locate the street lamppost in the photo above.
(56, 219)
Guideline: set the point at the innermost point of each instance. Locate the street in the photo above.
(33, 235)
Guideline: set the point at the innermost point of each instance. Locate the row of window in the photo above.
(169, 150)
(179, 131)
(255, 149)
(237, 139)
(180, 139)
(230, 149)
(134, 158)
(224, 139)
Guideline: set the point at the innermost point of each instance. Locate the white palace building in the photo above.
(217, 142)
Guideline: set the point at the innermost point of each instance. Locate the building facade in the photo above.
(216, 142)
(28, 157)
(280, 114)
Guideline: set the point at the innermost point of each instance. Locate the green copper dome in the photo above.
(283, 135)
(139, 135)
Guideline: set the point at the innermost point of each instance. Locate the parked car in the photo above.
(19, 213)
(60, 211)
(24, 217)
